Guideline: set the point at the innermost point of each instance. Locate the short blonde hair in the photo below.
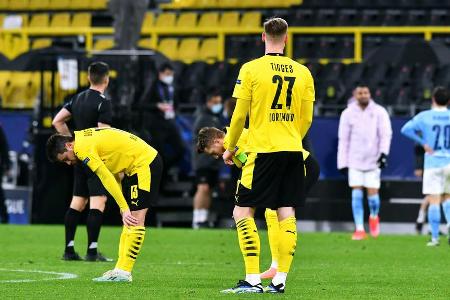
(275, 28)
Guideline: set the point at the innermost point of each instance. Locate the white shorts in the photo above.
(436, 181)
(367, 179)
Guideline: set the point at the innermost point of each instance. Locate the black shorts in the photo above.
(86, 183)
(209, 176)
(137, 198)
(272, 180)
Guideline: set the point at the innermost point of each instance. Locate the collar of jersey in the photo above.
(275, 54)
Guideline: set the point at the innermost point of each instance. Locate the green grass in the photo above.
(186, 264)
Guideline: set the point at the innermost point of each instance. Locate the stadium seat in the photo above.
(302, 17)
(209, 20)
(352, 74)
(418, 17)
(371, 17)
(251, 19)
(229, 19)
(378, 74)
(60, 20)
(208, 50)
(4, 4)
(39, 4)
(326, 17)
(145, 43)
(39, 20)
(80, 4)
(81, 20)
(22, 91)
(348, 17)
(187, 20)
(439, 17)
(345, 47)
(149, 20)
(189, 50)
(103, 44)
(18, 4)
(166, 20)
(41, 43)
(217, 76)
(394, 17)
(305, 47)
(2, 17)
(98, 4)
(169, 47)
(59, 4)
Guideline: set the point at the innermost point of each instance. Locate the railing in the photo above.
(222, 33)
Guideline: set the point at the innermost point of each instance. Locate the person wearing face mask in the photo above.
(158, 107)
(365, 134)
(206, 167)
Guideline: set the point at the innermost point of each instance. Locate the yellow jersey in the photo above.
(241, 147)
(275, 88)
(110, 151)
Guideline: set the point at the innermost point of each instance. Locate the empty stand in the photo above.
(81, 20)
(209, 20)
(39, 20)
(229, 19)
(169, 47)
(166, 20)
(187, 20)
(189, 50)
(60, 20)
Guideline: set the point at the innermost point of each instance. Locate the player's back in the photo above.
(119, 150)
(275, 85)
(88, 108)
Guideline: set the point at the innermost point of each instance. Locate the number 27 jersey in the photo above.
(276, 86)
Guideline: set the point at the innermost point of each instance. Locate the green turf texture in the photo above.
(187, 264)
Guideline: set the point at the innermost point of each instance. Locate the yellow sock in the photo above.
(123, 237)
(249, 244)
(273, 232)
(287, 243)
(133, 242)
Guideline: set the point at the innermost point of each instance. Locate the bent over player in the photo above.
(109, 152)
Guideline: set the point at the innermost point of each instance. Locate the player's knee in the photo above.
(371, 192)
(242, 212)
(203, 188)
(98, 202)
(434, 199)
(78, 203)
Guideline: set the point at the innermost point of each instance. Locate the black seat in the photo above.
(371, 17)
(302, 17)
(348, 17)
(440, 17)
(418, 17)
(305, 47)
(326, 17)
(394, 17)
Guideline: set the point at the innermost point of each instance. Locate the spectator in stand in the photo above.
(158, 104)
(206, 167)
(364, 140)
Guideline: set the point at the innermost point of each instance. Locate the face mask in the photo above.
(216, 108)
(167, 79)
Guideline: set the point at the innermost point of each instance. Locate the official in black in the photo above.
(87, 109)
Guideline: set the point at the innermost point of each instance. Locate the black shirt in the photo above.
(89, 108)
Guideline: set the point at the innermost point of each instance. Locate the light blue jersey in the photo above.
(432, 128)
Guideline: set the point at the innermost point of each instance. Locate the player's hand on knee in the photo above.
(128, 219)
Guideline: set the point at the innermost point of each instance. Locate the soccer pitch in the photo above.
(187, 264)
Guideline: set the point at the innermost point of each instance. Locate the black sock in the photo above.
(93, 224)
(71, 222)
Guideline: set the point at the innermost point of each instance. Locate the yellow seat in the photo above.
(41, 43)
(229, 3)
(24, 20)
(39, 20)
(209, 50)
(179, 4)
(202, 4)
(80, 4)
(229, 19)
(189, 50)
(210, 19)
(103, 44)
(21, 92)
(60, 20)
(2, 17)
(166, 20)
(187, 20)
(251, 19)
(145, 43)
(81, 20)
(18, 4)
(98, 4)
(149, 20)
(169, 47)
(4, 4)
(39, 4)
(59, 5)
(19, 45)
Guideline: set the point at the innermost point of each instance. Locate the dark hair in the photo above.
(98, 71)
(56, 144)
(206, 137)
(275, 27)
(441, 95)
(213, 92)
(165, 66)
(362, 85)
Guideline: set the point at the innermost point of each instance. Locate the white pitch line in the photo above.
(61, 276)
